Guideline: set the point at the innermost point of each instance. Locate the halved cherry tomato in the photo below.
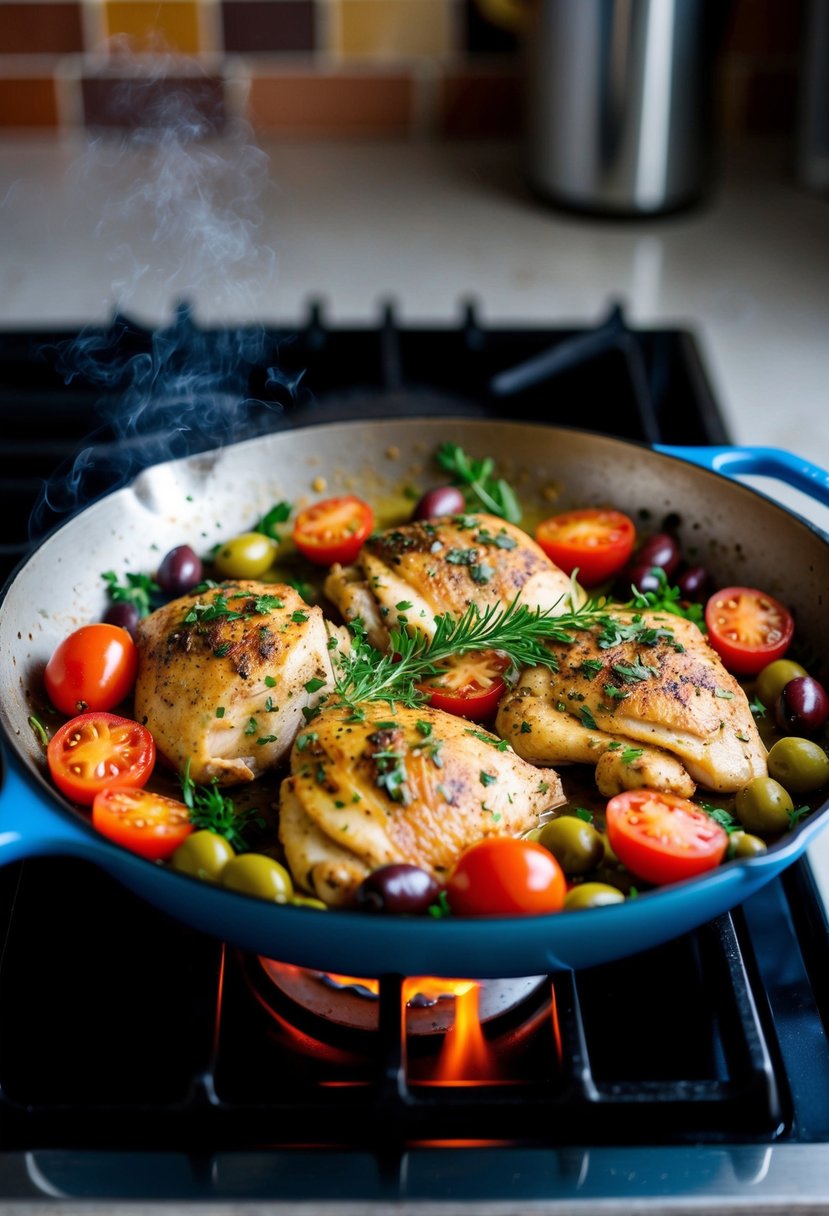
(94, 751)
(502, 876)
(333, 530)
(469, 685)
(595, 541)
(747, 628)
(663, 838)
(93, 668)
(145, 823)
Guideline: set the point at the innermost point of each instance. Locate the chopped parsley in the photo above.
(590, 668)
(487, 778)
(314, 685)
(587, 719)
(279, 513)
(138, 589)
(210, 809)
(632, 672)
(270, 682)
(723, 694)
(251, 727)
(266, 739)
(220, 711)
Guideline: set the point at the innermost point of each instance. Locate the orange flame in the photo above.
(465, 1056)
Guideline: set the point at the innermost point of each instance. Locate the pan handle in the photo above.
(735, 462)
(30, 824)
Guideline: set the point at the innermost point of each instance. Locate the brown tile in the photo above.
(28, 102)
(389, 29)
(765, 26)
(268, 25)
(193, 103)
(149, 25)
(40, 29)
(479, 103)
(316, 104)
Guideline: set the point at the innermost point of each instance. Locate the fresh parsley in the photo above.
(210, 809)
(279, 513)
(137, 589)
(476, 479)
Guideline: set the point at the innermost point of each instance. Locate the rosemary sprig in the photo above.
(480, 487)
(520, 632)
(210, 809)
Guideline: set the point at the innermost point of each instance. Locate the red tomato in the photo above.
(747, 628)
(469, 685)
(94, 751)
(333, 530)
(663, 838)
(145, 823)
(502, 876)
(598, 542)
(94, 668)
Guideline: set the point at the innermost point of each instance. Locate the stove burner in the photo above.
(430, 1003)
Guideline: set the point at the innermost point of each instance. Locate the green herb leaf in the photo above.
(279, 513)
(212, 810)
(138, 589)
(475, 476)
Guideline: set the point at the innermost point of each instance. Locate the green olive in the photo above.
(203, 855)
(763, 806)
(575, 844)
(533, 834)
(773, 678)
(592, 895)
(307, 901)
(743, 844)
(256, 874)
(246, 556)
(799, 764)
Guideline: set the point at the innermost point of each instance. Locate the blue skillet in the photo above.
(742, 536)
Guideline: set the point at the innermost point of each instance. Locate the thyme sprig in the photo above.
(520, 632)
(210, 809)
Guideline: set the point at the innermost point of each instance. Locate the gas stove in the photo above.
(142, 1061)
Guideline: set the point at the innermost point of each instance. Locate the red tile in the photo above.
(28, 102)
(312, 104)
(40, 29)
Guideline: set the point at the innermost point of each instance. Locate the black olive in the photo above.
(397, 888)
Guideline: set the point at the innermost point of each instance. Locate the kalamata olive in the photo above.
(763, 806)
(246, 556)
(743, 844)
(180, 570)
(443, 500)
(203, 854)
(773, 679)
(802, 706)
(640, 577)
(123, 614)
(575, 844)
(661, 550)
(256, 874)
(592, 895)
(397, 888)
(799, 765)
(694, 583)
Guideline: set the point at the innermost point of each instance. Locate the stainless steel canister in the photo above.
(619, 103)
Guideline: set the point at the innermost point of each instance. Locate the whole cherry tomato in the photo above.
(95, 751)
(93, 668)
(503, 876)
(594, 541)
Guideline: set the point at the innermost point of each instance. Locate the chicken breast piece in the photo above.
(410, 574)
(224, 675)
(649, 704)
(419, 786)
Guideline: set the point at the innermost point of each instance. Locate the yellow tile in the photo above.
(172, 25)
(389, 29)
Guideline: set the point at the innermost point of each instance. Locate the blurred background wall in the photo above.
(328, 68)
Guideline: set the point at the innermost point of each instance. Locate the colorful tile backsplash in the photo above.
(310, 68)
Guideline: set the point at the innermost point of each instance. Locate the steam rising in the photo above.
(182, 221)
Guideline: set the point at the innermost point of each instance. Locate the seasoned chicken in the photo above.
(649, 704)
(419, 786)
(224, 675)
(410, 574)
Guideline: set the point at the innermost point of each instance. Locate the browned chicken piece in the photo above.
(410, 574)
(416, 786)
(651, 706)
(224, 675)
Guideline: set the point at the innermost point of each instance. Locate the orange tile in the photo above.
(311, 104)
(148, 25)
(389, 29)
(28, 102)
(479, 103)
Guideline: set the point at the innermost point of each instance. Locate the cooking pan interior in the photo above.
(741, 537)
